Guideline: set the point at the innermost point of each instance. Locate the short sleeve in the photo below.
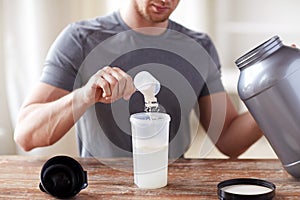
(213, 83)
(64, 59)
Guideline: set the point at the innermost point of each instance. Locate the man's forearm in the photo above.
(239, 136)
(42, 124)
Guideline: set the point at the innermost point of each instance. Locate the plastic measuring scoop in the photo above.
(149, 87)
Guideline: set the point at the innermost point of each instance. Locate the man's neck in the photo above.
(139, 24)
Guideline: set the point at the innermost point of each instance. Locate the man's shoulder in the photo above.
(107, 23)
(200, 37)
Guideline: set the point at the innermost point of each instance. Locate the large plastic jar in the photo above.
(269, 85)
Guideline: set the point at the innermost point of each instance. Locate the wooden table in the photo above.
(188, 178)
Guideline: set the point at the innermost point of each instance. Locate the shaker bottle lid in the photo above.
(246, 188)
(62, 177)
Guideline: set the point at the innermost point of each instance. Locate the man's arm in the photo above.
(49, 112)
(232, 133)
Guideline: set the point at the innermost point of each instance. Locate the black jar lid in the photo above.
(246, 189)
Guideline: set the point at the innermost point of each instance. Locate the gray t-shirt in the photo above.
(185, 62)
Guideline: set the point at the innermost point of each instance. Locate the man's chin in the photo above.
(159, 19)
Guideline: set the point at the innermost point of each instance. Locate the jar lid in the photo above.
(246, 188)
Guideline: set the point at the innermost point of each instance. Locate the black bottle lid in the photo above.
(62, 177)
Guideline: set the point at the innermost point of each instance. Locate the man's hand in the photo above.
(108, 85)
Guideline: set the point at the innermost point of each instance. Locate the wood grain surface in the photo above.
(187, 178)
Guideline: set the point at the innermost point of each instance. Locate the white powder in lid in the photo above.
(246, 189)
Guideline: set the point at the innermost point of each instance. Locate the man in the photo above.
(89, 70)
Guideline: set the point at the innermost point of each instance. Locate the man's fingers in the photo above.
(104, 82)
(127, 84)
(118, 84)
(114, 83)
